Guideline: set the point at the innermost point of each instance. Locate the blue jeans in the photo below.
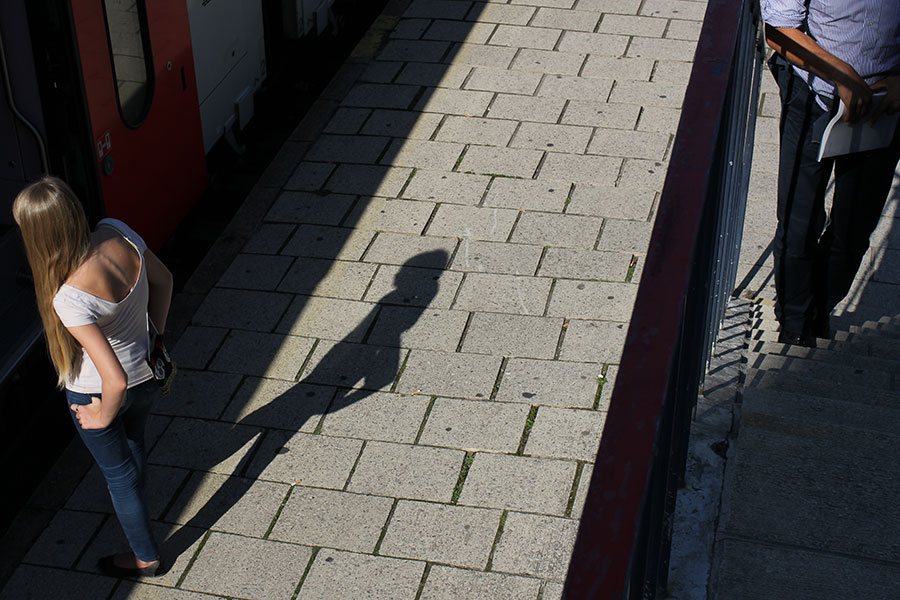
(119, 452)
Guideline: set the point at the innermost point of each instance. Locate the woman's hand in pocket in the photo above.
(90, 415)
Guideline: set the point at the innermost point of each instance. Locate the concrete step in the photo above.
(847, 355)
(826, 371)
(861, 344)
(826, 387)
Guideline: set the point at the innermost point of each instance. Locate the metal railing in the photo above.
(622, 548)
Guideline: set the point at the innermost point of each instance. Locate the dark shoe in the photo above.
(821, 327)
(796, 339)
(108, 566)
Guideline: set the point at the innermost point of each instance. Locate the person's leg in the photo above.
(134, 419)
(802, 181)
(862, 183)
(111, 449)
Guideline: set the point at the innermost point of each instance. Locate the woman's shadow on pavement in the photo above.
(353, 371)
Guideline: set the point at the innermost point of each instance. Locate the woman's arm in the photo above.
(101, 411)
(160, 280)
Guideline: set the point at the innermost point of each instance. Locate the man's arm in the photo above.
(803, 51)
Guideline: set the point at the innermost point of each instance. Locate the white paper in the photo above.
(840, 138)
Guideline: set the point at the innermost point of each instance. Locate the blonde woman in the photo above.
(95, 291)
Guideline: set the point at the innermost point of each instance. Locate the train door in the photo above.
(141, 92)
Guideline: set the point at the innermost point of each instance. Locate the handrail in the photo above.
(622, 547)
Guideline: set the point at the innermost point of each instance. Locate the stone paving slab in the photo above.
(354, 576)
(518, 483)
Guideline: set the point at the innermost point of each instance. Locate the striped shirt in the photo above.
(863, 33)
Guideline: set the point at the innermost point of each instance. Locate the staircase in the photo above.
(811, 497)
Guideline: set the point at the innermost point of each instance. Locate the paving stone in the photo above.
(556, 138)
(410, 250)
(403, 471)
(477, 223)
(640, 173)
(438, 9)
(581, 494)
(549, 382)
(380, 71)
(347, 148)
(548, 61)
(512, 335)
(397, 216)
(503, 293)
(378, 416)
(562, 230)
(440, 533)
(455, 188)
(576, 263)
(662, 49)
(92, 494)
(667, 95)
(366, 180)
(600, 170)
(414, 50)
(309, 176)
(338, 243)
(415, 327)
(599, 44)
(501, 13)
(570, 20)
(409, 28)
(625, 236)
(674, 9)
(352, 576)
(661, 120)
(30, 581)
(323, 277)
(625, 7)
(671, 71)
(413, 286)
(636, 144)
(615, 203)
(229, 504)
(575, 88)
(550, 3)
(473, 130)
(477, 55)
(594, 341)
(536, 545)
(129, 590)
(454, 102)
(255, 272)
(601, 114)
(449, 374)
(242, 309)
(527, 194)
(350, 365)
(264, 354)
(268, 238)
(279, 404)
(205, 445)
(512, 162)
(196, 346)
(239, 566)
(327, 318)
(442, 75)
(475, 425)
(633, 25)
(494, 257)
(199, 394)
(459, 31)
(518, 483)
(381, 95)
(526, 108)
(307, 207)
(618, 68)
(565, 433)
(423, 154)
(314, 460)
(402, 124)
(64, 539)
(330, 518)
(592, 300)
(525, 37)
(447, 583)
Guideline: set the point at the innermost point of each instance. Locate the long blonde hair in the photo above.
(57, 240)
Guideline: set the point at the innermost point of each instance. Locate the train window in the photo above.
(129, 44)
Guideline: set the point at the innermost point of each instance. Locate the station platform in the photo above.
(396, 361)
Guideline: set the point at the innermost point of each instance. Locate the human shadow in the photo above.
(346, 373)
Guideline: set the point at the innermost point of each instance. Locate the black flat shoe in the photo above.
(796, 339)
(108, 566)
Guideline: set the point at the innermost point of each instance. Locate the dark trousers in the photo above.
(816, 258)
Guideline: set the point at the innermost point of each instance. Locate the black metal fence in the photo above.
(622, 549)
